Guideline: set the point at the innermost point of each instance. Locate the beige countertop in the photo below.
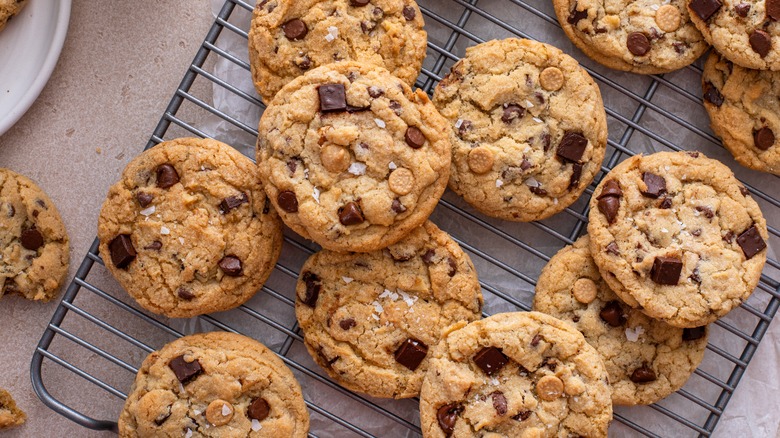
(119, 66)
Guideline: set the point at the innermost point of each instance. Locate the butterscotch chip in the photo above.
(551, 78)
(401, 181)
(584, 290)
(334, 158)
(219, 412)
(668, 18)
(480, 160)
(549, 388)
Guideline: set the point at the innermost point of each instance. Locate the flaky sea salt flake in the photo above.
(256, 425)
(333, 33)
(148, 211)
(164, 230)
(357, 168)
(381, 123)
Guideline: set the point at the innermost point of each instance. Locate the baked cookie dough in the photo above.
(646, 359)
(369, 319)
(10, 415)
(744, 108)
(523, 374)
(213, 385)
(640, 36)
(9, 8)
(352, 158)
(746, 32)
(34, 252)
(529, 128)
(675, 235)
(288, 38)
(188, 228)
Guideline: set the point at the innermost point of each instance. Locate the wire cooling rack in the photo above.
(98, 336)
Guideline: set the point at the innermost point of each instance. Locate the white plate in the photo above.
(30, 45)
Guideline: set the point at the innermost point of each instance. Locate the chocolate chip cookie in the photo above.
(34, 254)
(646, 359)
(369, 319)
(289, 38)
(9, 8)
(746, 32)
(744, 108)
(213, 385)
(517, 374)
(188, 228)
(10, 415)
(647, 37)
(675, 235)
(353, 158)
(529, 128)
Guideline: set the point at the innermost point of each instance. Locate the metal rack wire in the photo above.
(98, 337)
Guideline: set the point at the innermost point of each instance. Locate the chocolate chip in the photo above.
(428, 256)
(656, 185)
(144, 199)
(760, 41)
(490, 360)
(550, 363)
(232, 202)
(166, 176)
(375, 91)
(638, 43)
(744, 191)
(665, 203)
(679, 47)
(231, 266)
(287, 201)
(643, 374)
(35, 213)
(751, 242)
(772, 8)
(612, 314)
(742, 9)
(512, 111)
(611, 188)
(465, 126)
(764, 138)
(122, 251)
(357, 109)
(712, 95)
(411, 353)
(666, 270)
(185, 294)
(447, 416)
(609, 206)
(185, 371)
(612, 248)
(333, 97)
(705, 8)
(304, 63)
(453, 265)
(313, 285)
(358, 3)
(499, 402)
(706, 211)
(575, 16)
(538, 191)
(535, 341)
(572, 146)
(692, 334)
(41, 203)
(351, 214)
(397, 207)
(729, 237)
(576, 174)
(295, 29)
(522, 415)
(154, 246)
(695, 277)
(258, 409)
(31, 239)
(160, 419)
(696, 232)
(414, 137)
(409, 13)
(347, 324)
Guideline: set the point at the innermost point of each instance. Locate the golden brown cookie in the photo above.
(9, 8)
(10, 415)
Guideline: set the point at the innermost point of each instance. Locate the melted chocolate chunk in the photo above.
(575, 16)
(295, 29)
(490, 360)
(185, 371)
(258, 409)
(576, 174)
(347, 324)
(712, 95)
(742, 9)
(144, 199)
(656, 185)
(333, 98)
(706, 211)
(538, 191)
(233, 202)
(359, 3)
(375, 91)
(499, 402)
(313, 285)
(231, 266)
(535, 341)
(638, 43)
(154, 246)
(185, 294)
(428, 256)
(611, 188)
(411, 353)
(612, 314)
(122, 251)
(397, 207)
(166, 176)
(609, 206)
(409, 13)
(612, 248)
(465, 126)
(760, 41)
(666, 270)
(643, 374)
(287, 201)
(522, 415)
(751, 242)
(512, 111)
(31, 239)
(692, 334)
(705, 8)
(351, 214)
(764, 138)
(572, 146)
(414, 137)
(447, 415)
(772, 8)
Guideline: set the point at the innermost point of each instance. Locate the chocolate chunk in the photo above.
(396, 107)
(742, 9)
(572, 146)
(760, 41)
(612, 314)
(347, 324)
(154, 246)
(185, 294)
(287, 201)
(375, 91)
(525, 165)
(680, 47)
(612, 248)
(358, 3)
(41, 203)
(638, 43)
(453, 265)
(295, 29)
(522, 415)
(397, 207)
(666, 203)
(144, 199)
(538, 191)
(705, 8)
(411, 353)
(751, 242)
(465, 126)
(643, 374)
(696, 232)
(744, 191)
(333, 97)
(611, 188)
(185, 371)
(764, 138)
(414, 137)
(729, 237)
(258, 409)
(712, 95)
(576, 174)
(656, 185)
(706, 211)
(304, 63)
(231, 266)
(122, 251)
(575, 16)
(550, 363)
(232, 202)
(666, 270)
(428, 256)
(31, 239)
(351, 214)
(499, 402)
(535, 341)
(512, 111)
(166, 176)
(160, 419)
(447, 416)
(772, 8)
(695, 277)
(409, 13)
(490, 360)
(692, 334)
(312, 288)
(609, 206)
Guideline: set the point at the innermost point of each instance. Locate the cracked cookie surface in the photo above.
(677, 236)
(288, 38)
(522, 374)
(188, 229)
(744, 110)
(529, 128)
(34, 253)
(369, 319)
(640, 36)
(10, 414)
(9, 8)
(353, 158)
(215, 384)
(646, 359)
